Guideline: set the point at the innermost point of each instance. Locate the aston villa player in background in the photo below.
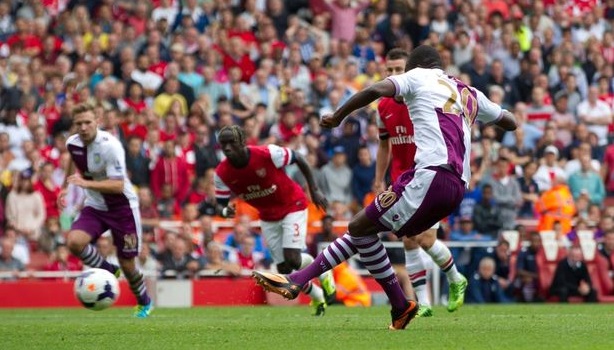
(110, 202)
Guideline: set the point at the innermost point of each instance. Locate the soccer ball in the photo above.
(96, 289)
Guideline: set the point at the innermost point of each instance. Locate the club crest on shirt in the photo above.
(261, 172)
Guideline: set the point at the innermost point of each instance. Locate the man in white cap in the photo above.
(549, 170)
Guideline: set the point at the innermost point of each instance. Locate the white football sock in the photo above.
(416, 268)
(443, 258)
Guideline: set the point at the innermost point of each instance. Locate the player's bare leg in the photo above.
(79, 243)
(404, 280)
(442, 256)
(137, 285)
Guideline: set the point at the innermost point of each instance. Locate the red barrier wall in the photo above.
(50, 294)
(217, 291)
(226, 291)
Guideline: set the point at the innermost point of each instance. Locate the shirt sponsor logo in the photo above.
(402, 140)
(259, 193)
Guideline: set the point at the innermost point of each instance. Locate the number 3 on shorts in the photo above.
(297, 230)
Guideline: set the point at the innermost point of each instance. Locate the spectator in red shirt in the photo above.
(40, 138)
(50, 51)
(24, 38)
(63, 261)
(496, 6)
(138, 20)
(237, 56)
(135, 99)
(49, 190)
(156, 64)
(170, 170)
(133, 124)
(202, 191)
(50, 111)
(607, 170)
(246, 257)
(287, 128)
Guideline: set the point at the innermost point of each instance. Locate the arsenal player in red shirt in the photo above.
(256, 174)
(397, 149)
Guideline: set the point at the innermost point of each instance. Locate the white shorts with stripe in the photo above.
(289, 232)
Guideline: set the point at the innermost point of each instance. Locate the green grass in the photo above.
(548, 326)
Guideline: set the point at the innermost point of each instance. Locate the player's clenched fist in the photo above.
(329, 121)
(319, 200)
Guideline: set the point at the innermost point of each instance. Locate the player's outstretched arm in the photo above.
(359, 100)
(316, 196)
(507, 121)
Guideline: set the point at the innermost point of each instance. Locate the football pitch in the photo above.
(547, 326)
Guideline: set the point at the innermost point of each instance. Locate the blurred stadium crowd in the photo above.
(166, 75)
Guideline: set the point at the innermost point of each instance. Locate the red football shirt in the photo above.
(609, 162)
(394, 124)
(159, 68)
(50, 196)
(246, 262)
(245, 63)
(51, 154)
(263, 183)
(51, 114)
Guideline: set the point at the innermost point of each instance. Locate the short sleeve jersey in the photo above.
(442, 110)
(395, 125)
(104, 158)
(262, 183)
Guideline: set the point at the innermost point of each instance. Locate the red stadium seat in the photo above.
(600, 278)
(597, 266)
(546, 265)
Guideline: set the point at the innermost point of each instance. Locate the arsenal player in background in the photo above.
(256, 174)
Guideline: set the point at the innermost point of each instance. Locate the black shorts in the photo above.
(396, 255)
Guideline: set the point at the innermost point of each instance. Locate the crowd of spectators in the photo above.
(166, 75)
